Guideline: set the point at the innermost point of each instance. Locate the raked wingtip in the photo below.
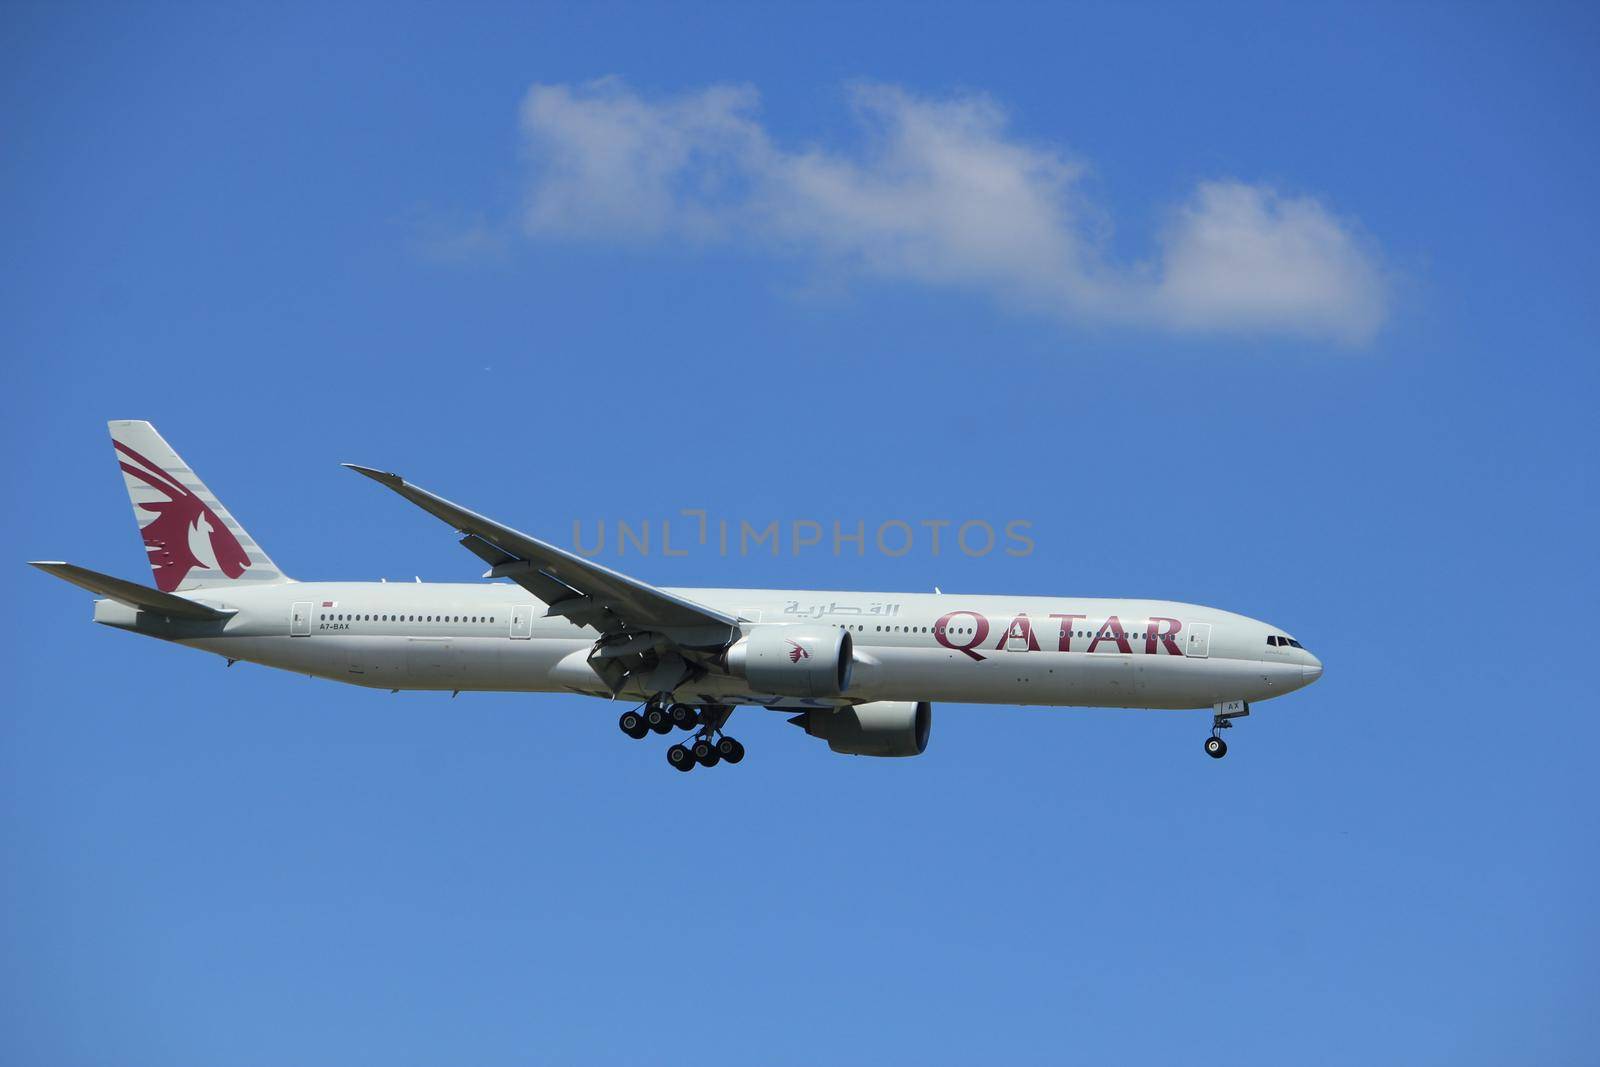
(386, 477)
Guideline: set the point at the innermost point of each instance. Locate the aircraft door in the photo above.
(1199, 646)
(300, 619)
(521, 621)
(1018, 638)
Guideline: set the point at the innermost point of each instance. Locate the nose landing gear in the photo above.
(1216, 747)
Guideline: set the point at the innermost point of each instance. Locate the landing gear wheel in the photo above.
(633, 724)
(681, 758)
(683, 716)
(705, 753)
(657, 718)
(730, 750)
(1216, 747)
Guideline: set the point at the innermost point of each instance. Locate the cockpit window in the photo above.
(1294, 644)
(1272, 639)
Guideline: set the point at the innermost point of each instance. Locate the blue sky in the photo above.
(1286, 311)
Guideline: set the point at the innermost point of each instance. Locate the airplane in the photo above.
(860, 671)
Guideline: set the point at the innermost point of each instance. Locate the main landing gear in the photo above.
(1222, 713)
(710, 745)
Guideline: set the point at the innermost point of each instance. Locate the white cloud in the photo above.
(938, 193)
(1242, 256)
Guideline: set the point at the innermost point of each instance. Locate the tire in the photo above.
(1216, 747)
(684, 717)
(680, 758)
(730, 750)
(633, 724)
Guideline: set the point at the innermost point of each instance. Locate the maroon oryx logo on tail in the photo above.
(797, 652)
(185, 533)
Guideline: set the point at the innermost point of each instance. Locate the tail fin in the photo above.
(191, 538)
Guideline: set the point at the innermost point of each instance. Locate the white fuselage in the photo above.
(908, 646)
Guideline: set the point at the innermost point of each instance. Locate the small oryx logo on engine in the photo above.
(797, 652)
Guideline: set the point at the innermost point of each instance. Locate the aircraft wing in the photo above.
(632, 617)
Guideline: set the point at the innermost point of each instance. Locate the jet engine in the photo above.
(879, 728)
(794, 661)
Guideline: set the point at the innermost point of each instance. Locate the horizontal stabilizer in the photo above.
(141, 597)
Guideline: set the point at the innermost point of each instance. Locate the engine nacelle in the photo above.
(794, 661)
(879, 728)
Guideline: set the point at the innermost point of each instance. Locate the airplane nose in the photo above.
(1312, 671)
